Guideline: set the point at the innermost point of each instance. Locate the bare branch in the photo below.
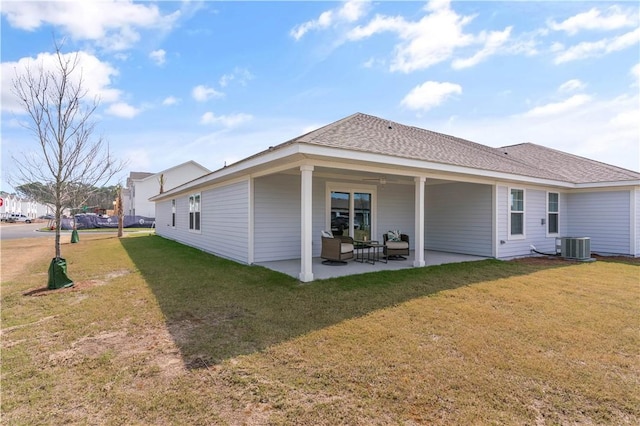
(70, 163)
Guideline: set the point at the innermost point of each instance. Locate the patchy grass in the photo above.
(158, 333)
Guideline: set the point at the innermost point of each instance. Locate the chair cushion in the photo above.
(396, 245)
(326, 234)
(394, 235)
(346, 247)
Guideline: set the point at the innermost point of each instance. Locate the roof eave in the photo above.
(612, 184)
(233, 169)
(428, 166)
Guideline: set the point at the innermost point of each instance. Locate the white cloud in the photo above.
(430, 94)
(138, 159)
(170, 100)
(240, 75)
(605, 130)
(349, 11)
(571, 86)
(493, 42)
(158, 56)
(429, 41)
(231, 120)
(123, 110)
(96, 76)
(113, 24)
(203, 93)
(598, 48)
(556, 108)
(635, 73)
(613, 18)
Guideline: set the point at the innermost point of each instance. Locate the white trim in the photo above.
(495, 244)
(524, 214)
(194, 230)
(633, 216)
(352, 188)
(306, 223)
(174, 213)
(549, 234)
(334, 155)
(419, 222)
(251, 221)
(598, 185)
(422, 165)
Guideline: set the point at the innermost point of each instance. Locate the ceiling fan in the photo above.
(381, 180)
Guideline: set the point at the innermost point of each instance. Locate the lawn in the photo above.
(157, 333)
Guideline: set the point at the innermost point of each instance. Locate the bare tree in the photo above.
(70, 162)
(119, 209)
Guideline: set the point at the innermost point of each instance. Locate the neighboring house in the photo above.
(141, 186)
(14, 204)
(448, 194)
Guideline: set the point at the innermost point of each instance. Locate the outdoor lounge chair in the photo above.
(396, 249)
(336, 250)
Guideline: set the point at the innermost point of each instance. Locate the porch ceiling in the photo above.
(360, 176)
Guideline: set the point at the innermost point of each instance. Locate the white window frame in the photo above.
(173, 213)
(195, 209)
(523, 212)
(351, 189)
(549, 213)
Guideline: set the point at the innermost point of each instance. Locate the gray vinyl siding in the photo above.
(396, 210)
(319, 214)
(163, 217)
(458, 218)
(508, 248)
(224, 219)
(535, 210)
(277, 217)
(604, 217)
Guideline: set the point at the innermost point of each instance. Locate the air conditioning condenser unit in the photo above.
(576, 248)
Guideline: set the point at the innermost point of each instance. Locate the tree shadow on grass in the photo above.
(216, 309)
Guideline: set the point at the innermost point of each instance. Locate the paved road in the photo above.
(12, 231)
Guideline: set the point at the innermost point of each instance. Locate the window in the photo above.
(173, 213)
(516, 218)
(552, 212)
(194, 212)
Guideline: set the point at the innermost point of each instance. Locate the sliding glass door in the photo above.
(362, 216)
(351, 212)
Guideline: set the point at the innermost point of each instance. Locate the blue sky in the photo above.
(216, 82)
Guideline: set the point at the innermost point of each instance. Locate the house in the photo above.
(448, 194)
(143, 185)
(14, 204)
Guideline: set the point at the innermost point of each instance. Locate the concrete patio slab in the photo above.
(320, 271)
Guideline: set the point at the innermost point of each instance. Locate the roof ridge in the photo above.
(484, 148)
(320, 130)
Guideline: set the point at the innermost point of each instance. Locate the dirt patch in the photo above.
(78, 285)
(153, 349)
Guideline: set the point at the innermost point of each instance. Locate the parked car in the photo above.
(18, 218)
(340, 223)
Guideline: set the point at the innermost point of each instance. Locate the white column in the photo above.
(419, 215)
(306, 234)
(251, 223)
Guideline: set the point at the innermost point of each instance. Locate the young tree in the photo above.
(70, 161)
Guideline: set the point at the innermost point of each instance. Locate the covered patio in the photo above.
(321, 271)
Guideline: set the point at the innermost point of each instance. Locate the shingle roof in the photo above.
(574, 168)
(139, 175)
(366, 133)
